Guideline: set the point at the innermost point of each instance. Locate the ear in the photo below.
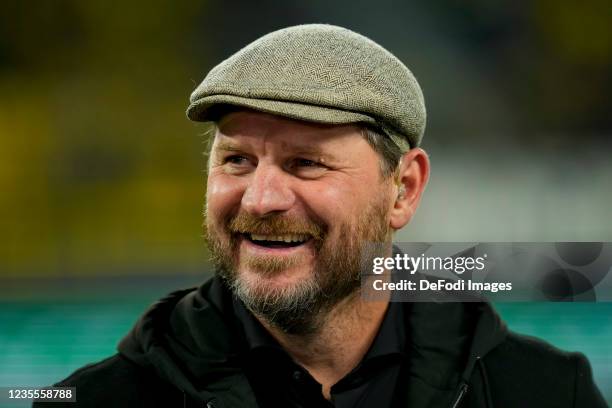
(411, 180)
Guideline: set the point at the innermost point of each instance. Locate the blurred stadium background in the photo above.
(102, 177)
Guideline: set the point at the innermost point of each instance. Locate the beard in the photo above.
(299, 308)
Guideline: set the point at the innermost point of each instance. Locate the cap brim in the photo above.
(201, 110)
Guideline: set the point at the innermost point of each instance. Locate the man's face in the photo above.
(290, 206)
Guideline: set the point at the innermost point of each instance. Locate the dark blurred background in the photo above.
(102, 177)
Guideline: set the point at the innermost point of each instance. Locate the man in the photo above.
(314, 164)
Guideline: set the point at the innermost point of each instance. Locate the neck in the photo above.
(347, 331)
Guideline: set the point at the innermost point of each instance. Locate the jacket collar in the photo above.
(192, 339)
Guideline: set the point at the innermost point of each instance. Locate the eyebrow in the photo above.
(228, 147)
(314, 151)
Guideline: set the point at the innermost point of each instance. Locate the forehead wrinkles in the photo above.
(289, 132)
(250, 119)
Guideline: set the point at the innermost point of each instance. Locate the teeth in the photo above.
(280, 238)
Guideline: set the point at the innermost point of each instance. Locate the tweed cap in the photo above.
(318, 73)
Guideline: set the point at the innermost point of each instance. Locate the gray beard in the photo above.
(302, 308)
(296, 313)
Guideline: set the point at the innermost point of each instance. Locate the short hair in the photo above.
(389, 152)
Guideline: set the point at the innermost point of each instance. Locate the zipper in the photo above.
(462, 391)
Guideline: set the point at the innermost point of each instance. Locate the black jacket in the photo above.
(186, 352)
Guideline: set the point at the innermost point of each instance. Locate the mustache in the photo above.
(274, 225)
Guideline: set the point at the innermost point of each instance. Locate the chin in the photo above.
(278, 281)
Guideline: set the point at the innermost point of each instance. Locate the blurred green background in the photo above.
(102, 177)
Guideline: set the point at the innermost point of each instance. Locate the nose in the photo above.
(268, 192)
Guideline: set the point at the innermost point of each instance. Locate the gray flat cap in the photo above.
(318, 73)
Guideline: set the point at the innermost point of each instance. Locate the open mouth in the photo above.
(277, 241)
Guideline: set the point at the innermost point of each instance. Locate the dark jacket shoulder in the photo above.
(117, 382)
(524, 368)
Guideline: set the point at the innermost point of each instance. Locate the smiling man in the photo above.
(313, 166)
(290, 201)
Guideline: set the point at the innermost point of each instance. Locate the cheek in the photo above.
(223, 195)
(341, 201)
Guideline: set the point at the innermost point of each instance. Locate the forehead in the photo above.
(257, 128)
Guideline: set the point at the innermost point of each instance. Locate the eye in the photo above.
(306, 163)
(307, 168)
(236, 164)
(235, 159)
